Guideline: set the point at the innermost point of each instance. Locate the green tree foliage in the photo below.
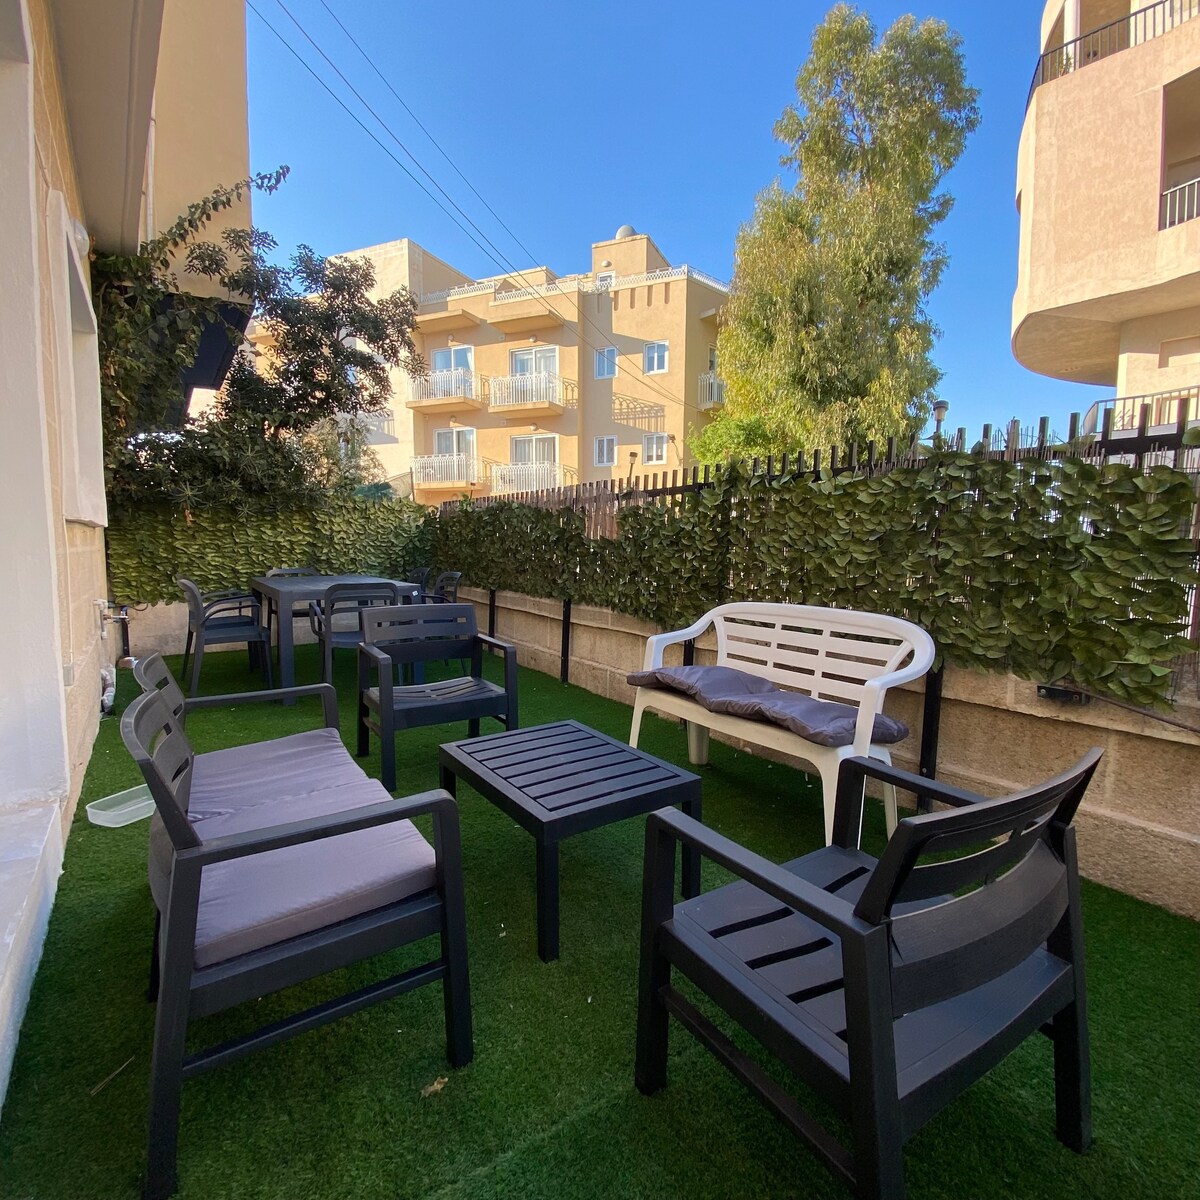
(287, 426)
(826, 338)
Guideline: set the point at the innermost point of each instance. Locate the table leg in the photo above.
(689, 880)
(547, 900)
(448, 781)
(287, 653)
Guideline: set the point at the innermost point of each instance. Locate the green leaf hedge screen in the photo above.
(1045, 569)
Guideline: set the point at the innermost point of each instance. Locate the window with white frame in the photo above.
(606, 363)
(654, 448)
(606, 452)
(458, 441)
(654, 358)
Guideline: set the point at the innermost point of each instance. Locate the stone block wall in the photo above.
(1139, 829)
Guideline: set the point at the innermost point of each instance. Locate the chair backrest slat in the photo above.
(155, 738)
(445, 587)
(419, 632)
(153, 675)
(970, 892)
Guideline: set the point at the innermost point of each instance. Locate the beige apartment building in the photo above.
(1108, 191)
(113, 117)
(538, 380)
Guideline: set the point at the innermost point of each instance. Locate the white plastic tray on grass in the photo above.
(122, 808)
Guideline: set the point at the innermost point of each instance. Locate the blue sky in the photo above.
(571, 119)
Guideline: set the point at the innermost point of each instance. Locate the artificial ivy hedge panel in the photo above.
(221, 548)
(1042, 569)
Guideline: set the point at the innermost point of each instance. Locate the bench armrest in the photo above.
(658, 642)
(807, 899)
(326, 691)
(294, 833)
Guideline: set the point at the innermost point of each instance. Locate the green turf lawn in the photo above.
(548, 1108)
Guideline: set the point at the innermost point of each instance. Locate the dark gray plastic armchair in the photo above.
(414, 634)
(336, 620)
(218, 618)
(886, 986)
(271, 864)
(445, 588)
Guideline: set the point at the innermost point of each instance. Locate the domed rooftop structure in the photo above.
(625, 231)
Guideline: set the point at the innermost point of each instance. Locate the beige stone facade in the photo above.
(539, 381)
(79, 82)
(1108, 192)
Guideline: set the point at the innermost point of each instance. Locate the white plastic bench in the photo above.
(829, 653)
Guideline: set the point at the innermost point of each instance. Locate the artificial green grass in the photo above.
(548, 1108)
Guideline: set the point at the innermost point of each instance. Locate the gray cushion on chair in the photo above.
(824, 722)
(261, 899)
(246, 776)
(703, 683)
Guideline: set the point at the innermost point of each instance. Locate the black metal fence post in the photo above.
(565, 668)
(931, 720)
(491, 612)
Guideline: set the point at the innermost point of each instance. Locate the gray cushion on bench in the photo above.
(822, 721)
(703, 683)
(741, 694)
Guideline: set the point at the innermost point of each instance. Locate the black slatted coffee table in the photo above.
(562, 779)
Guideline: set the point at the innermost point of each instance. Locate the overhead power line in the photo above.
(490, 250)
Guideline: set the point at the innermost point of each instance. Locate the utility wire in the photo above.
(495, 254)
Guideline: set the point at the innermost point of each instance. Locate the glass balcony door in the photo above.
(453, 372)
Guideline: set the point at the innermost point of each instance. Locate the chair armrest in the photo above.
(223, 594)
(295, 833)
(657, 642)
(316, 617)
(852, 774)
(827, 910)
(510, 660)
(236, 603)
(369, 655)
(326, 691)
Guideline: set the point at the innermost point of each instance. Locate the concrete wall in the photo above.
(1139, 829)
(1092, 256)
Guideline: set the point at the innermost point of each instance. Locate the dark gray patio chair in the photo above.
(445, 588)
(218, 618)
(335, 620)
(886, 986)
(299, 611)
(307, 867)
(420, 577)
(414, 634)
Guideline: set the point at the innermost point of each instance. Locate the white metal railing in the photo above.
(1165, 408)
(665, 275)
(530, 477)
(455, 293)
(556, 287)
(381, 424)
(711, 391)
(538, 387)
(1179, 204)
(446, 385)
(432, 469)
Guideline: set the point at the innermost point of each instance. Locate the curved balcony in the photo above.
(446, 470)
(710, 392)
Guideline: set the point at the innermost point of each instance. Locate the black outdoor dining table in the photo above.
(285, 592)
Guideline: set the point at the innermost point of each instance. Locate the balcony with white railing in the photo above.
(457, 390)
(711, 391)
(379, 428)
(447, 470)
(1160, 410)
(537, 394)
(530, 477)
(1179, 204)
